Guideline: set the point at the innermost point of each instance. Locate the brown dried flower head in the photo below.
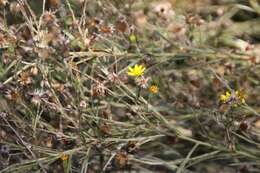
(13, 95)
(98, 89)
(107, 29)
(49, 18)
(122, 25)
(105, 129)
(121, 159)
(25, 78)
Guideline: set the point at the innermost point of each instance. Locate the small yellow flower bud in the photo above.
(153, 89)
(132, 38)
(64, 157)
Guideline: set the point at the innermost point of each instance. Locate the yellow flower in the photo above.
(224, 98)
(64, 157)
(237, 97)
(137, 70)
(240, 96)
(132, 38)
(154, 89)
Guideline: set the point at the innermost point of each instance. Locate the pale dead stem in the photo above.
(83, 17)
(79, 23)
(256, 5)
(30, 20)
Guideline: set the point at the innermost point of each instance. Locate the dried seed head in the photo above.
(58, 86)
(36, 100)
(95, 22)
(3, 133)
(244, 125)
(87, 42)
(131, 146)
(107, 29)
(121, 25)
(6, 58)
(13, 95)
(162, 9)
(142, 81)
(105, 129)
(121, 159)
(49, 142)
(113, 78)
(106, 114)
(220, 11)
(34, 71)
(24, 78)
(49, 18)
(194, 19)
(83, 104)
(15, 8)
(98, 89)
(37, 96)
